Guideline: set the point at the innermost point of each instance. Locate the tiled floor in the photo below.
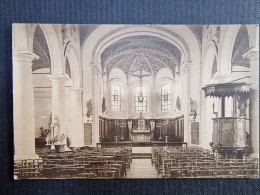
(142, 150)
(142, 168)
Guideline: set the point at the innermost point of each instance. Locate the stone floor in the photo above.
(142, 168)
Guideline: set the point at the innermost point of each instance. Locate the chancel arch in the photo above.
(106, 37)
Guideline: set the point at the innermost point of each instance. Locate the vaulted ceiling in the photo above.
(148, 53)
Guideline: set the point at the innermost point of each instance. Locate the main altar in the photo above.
(143, 132)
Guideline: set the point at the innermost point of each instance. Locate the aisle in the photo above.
(141, 168)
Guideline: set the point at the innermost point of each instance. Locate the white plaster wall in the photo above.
(87, 91)
(42, 111)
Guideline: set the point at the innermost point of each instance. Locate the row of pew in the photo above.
(194, 162)
(79, 164)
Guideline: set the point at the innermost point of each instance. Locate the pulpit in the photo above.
(229, 136)
(229, 133)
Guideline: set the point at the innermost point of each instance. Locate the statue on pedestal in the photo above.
(89, 108)
(56, 126)
(178, 103)
(130, 123)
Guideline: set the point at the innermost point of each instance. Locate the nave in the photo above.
(91, 100)
(136, 162)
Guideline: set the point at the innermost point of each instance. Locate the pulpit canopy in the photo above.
(226, 89)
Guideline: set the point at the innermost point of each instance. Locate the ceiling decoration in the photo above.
(132, 53)
(40, 48)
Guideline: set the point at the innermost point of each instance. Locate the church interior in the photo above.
(135, 101)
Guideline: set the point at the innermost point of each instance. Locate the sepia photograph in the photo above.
(103, 101)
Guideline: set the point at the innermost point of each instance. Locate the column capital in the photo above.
(76, 90)
(57, 78)
(26, 55)
(95, 69)
(185, 67)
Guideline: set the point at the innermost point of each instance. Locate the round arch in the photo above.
(180, 36)
(104, 36)
(57, 61)
(74, 65)
(208, 63)
(228, 44)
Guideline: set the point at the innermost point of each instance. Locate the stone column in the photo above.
(58, 101)
(95, 98)
(23, 103)
(76, 117)
(254, 101)
(105, 93)
(67, 114)
(185, 70)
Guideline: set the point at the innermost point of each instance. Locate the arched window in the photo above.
(140, 99)
(116, 97)
(165, 97)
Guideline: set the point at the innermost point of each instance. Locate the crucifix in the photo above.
(141, 75)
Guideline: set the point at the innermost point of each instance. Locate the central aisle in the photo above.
(141, 168)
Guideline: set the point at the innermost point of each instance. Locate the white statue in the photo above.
(129, 125)
(48, 139)
(152, 123)
(56, 126)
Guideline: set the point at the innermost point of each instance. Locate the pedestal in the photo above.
(59, 148)
(166, 138)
